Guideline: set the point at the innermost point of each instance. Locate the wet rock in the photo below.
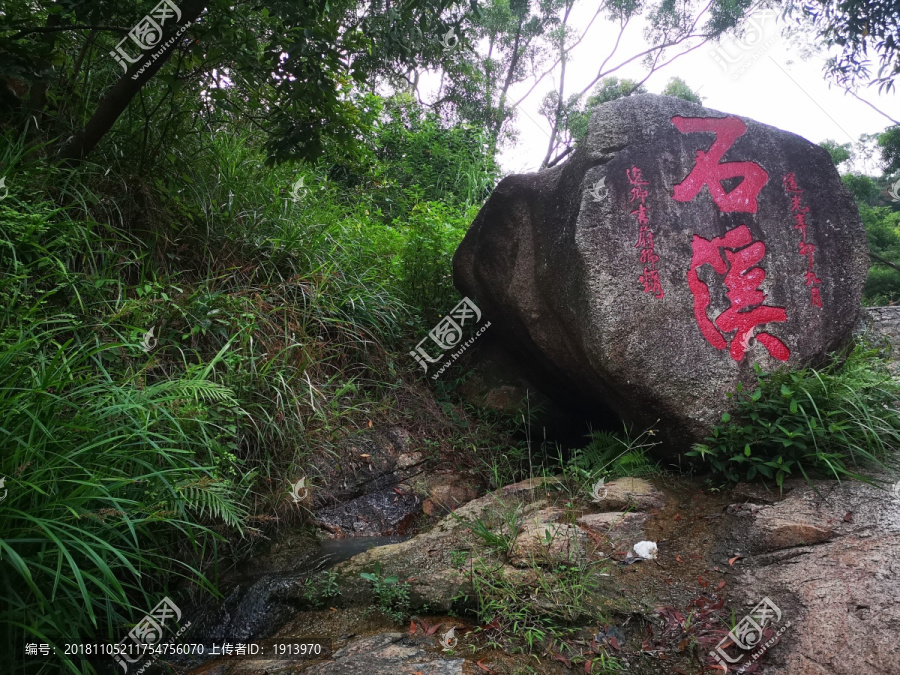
(529, 485)
(630, 492)
(365, 463)
(881, 324)
(381, 513)
(771, 532)
(388, 654)
(356, 491)
(801, 519)
(776, 535)
(409, 459)
(675, 249)
(745, 510)
(251, 610)
(430, 563)
(758, 494)
(542, 540)
(438, 589)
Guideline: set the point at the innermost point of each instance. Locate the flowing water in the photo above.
(259, 597)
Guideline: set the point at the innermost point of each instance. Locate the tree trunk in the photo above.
(121, 94)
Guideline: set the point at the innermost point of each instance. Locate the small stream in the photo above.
(328, 554)
(257, 603)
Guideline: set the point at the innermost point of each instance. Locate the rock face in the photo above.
(356, 491)
(882, 323)
(676, 248)
(387, 654)
(827, 555)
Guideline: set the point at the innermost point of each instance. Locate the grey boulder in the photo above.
(674, 250)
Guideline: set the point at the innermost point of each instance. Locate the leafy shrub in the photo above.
(106, 479)
(432, 232)
(611, 456)
(391, 593)
(882, 287)
(525, 618)
(131, 472)
(321, 587)
(883, 235)
(819, 422)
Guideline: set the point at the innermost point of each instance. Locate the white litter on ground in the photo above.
(646, 550)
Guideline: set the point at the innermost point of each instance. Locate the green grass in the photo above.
(609, 456)
(130, 474)
(499, 530)
(523, 618)
(101, 475)
(835, 422)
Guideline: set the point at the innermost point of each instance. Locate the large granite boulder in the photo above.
(677, 248)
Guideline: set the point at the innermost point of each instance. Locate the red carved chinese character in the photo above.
(649, 257)
(635, 177)
(797, 204)
(815, 298)
(642, 212)
(708, 171)
(812, 279)
(645, 238)
(808, 250)
(742, 280)
(638, 193)
(789, 180)
(650, 279)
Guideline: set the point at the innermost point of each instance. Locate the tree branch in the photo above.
(116, 100)
(883, 261)
(556, 63)
(859, 98)
(557, 116)
(556, 160)
(514, 61)
(644, 53)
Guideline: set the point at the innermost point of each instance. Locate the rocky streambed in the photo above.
(536, 578)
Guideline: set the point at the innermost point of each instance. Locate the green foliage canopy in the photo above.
(679, 89)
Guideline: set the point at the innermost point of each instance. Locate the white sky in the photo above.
(768, 82)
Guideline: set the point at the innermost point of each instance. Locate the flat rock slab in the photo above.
(624, 493)
(759, 494)
(839, 593)
(546, 543)
(675, 249)
(387, 654)
(618, 527)
(445, 498)
(529, 485)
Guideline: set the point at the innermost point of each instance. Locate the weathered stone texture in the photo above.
(883, 322)
(646, 276)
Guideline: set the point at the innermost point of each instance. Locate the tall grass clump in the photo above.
(107, 480)
(832, 422)
(277, 296)
(119, 479)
